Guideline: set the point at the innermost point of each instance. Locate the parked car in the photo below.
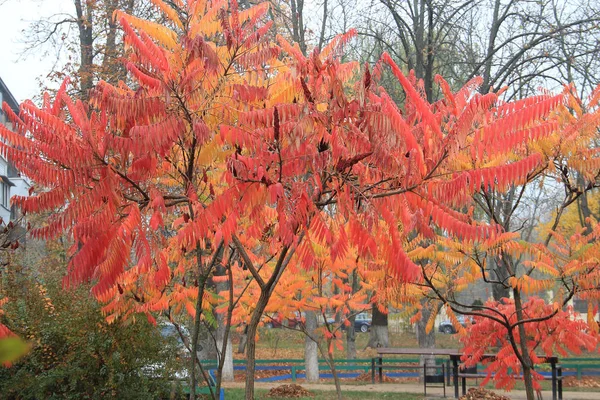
(362, 322)
(173, 340)
(276, 320)
(447, 327)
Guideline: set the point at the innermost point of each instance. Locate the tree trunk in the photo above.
(501, 272)
(297, 8)
(419, 34)
(196, 353)
(487, 72)
(351, 332)
(323, 25)
(351, 340)
(251, 344)
(112, 69)
(203, 272)
(228, 375)
(224, 326)
(227, 372)
(195, 333)
(425, 340)
(428, 78)
(266, 290)
(311, 352)
(207, 343)
(328, 355)
(379, 329)
(243, 340)
(585, 211)
(526, 364)
(86, 46)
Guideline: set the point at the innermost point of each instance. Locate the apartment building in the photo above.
(11, 181)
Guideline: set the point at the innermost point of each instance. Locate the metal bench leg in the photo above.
(455, 378)
(372, 371)
(425, 380)
(444, 380)
(554, 396)
(559, 375)
(380, 370)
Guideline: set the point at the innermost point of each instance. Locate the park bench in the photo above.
(582, 366)
(555, 376)
(379, 364)
(436, 377)
(463, 375)
(295, 366)
(469, 373)
(428, 378)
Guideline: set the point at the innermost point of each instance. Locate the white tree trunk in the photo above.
(311, 352)
(228, 363)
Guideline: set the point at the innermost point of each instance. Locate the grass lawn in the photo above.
(287, 343)
(238, 394)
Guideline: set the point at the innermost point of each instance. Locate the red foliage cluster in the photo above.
(562, 333)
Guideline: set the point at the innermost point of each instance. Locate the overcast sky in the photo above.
(17, 73)
(20, 74)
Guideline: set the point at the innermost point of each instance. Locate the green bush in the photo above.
(74, 353)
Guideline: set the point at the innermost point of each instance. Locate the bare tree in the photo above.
(507, 42)
(87, 37)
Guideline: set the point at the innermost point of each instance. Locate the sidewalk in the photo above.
(413, 388)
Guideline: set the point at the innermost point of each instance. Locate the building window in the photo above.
(581, 305)
(11, 171)
(5, 194)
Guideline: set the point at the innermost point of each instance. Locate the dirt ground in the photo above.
(415, 388)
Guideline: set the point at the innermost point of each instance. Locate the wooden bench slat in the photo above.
(471, 375)
(544, 377)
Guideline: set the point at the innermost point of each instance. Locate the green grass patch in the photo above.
(287, 343)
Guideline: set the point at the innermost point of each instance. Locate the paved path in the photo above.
(413, 388)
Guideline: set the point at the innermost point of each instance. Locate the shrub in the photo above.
(74, 353)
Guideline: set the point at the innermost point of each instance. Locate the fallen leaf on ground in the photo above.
(572, 381)
(240, 376)
(481, 394)
(366, 377)
(289, 391)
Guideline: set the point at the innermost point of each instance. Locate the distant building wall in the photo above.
(11, 181)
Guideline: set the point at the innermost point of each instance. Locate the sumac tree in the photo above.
(522, 263)
(226, 139)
